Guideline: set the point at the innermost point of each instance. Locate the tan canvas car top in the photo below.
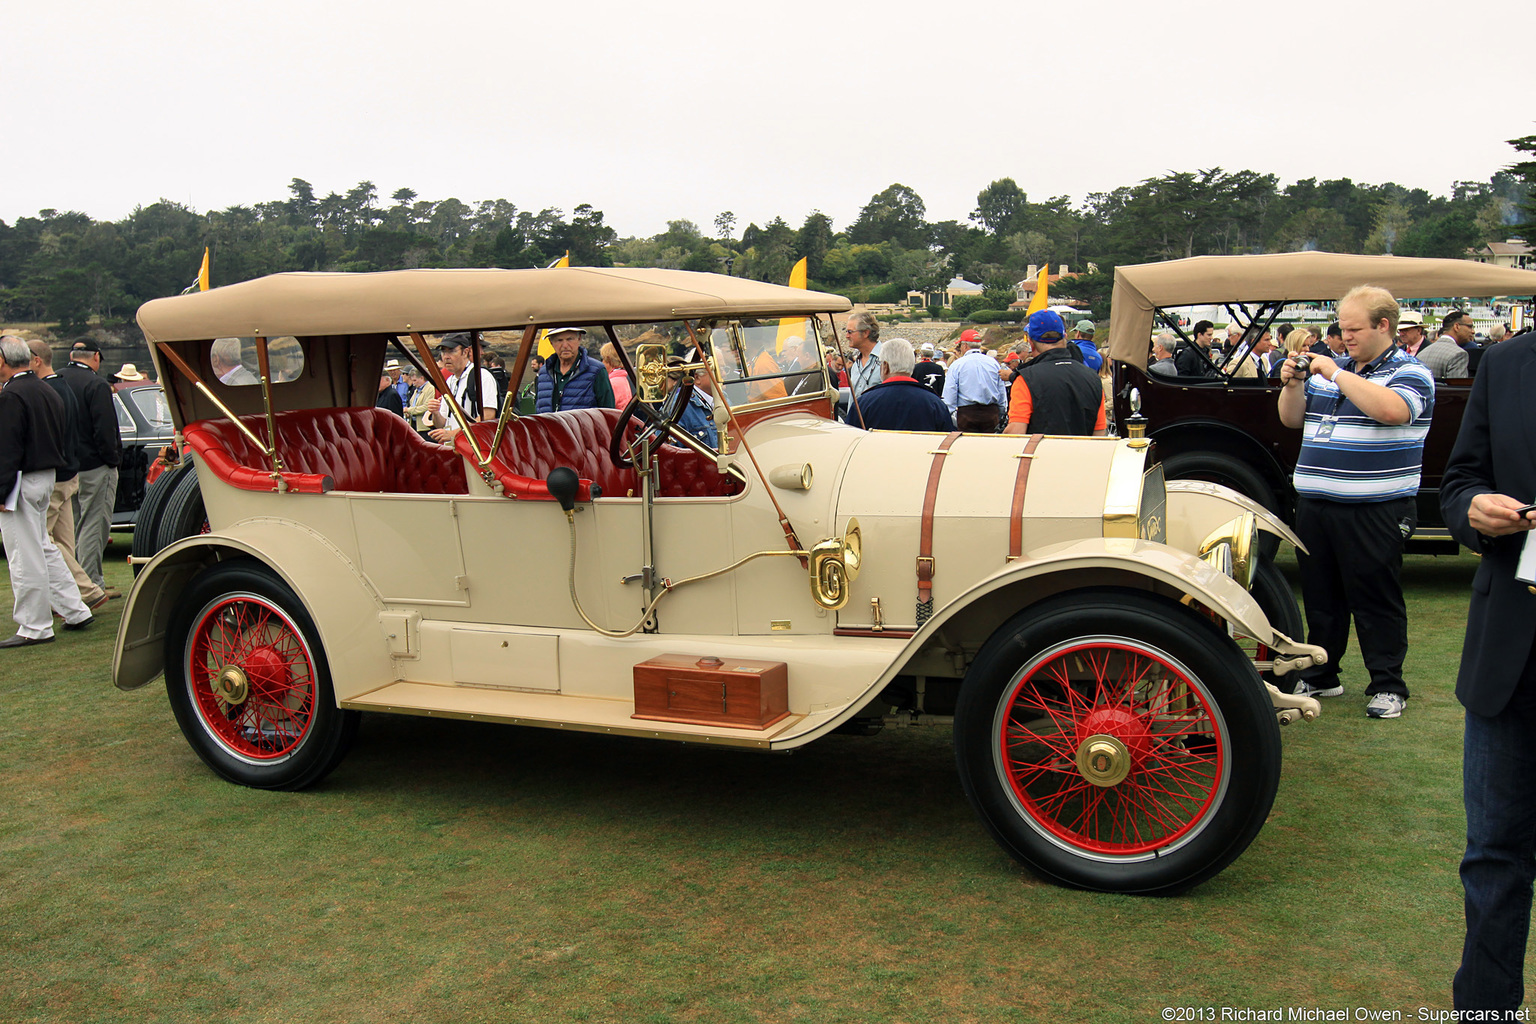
(432, 301)
(1288, 277)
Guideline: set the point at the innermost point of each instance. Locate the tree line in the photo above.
(66, 269)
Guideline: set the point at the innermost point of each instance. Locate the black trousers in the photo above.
(1354, 567)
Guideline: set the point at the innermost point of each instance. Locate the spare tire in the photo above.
(183, 515)
(146, 525)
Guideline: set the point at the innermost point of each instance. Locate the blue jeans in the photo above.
(1499, 787)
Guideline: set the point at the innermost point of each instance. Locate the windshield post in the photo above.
(265, 366)
(447, 393)
(508, 407)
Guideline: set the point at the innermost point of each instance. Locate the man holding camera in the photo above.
(1364, 418)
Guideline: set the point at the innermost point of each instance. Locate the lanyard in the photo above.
(1364, 372)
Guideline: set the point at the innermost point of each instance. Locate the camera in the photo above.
(1303, 365)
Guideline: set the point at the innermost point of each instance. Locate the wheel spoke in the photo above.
(1140, 702)
(252, 635)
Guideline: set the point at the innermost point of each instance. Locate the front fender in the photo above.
(1161, 565)
(1196, 507)
(1092, 562)
(341, 601)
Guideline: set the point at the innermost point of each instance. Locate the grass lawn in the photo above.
(453, 871)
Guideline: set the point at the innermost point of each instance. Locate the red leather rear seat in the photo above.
(331, 449)
(578, 438)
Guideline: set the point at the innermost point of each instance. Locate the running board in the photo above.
(552, 711)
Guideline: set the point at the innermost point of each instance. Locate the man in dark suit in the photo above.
(1490, 477)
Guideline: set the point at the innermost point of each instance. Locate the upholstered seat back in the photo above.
(331, 449)
(578, 438)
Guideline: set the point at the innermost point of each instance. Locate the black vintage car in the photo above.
(144, 421)
(1227, 429)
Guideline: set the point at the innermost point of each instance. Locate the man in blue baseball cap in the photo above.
(1054, 393)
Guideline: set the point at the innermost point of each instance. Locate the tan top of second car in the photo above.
(1287, 276)
(430, 301)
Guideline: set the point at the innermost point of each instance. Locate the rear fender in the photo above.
(343, 605)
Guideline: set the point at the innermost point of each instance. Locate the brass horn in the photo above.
(1229, 548)
(834, 567)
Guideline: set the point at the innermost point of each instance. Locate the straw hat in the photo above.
(130, 372)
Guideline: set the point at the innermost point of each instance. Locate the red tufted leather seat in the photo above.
(330, 449)
(578, 438)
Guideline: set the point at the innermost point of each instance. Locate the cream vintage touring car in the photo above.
(1085, 626)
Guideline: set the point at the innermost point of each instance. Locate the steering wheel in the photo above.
(658, 422)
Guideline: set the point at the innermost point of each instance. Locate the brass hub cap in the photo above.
(1103, 760)
(231, 686)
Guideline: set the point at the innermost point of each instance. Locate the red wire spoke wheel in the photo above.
(252, 676)
(1110, 747)
(249, 682)
(1117, 741)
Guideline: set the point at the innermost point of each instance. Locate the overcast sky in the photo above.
(653, 112)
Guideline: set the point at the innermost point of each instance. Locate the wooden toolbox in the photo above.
(734, 693)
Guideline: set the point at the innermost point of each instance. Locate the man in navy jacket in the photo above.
(900, 401)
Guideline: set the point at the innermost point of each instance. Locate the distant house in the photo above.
(1512, 252)
(957, 287)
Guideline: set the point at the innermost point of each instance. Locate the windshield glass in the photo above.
(153, 406)
(125, 424)
(769, 359)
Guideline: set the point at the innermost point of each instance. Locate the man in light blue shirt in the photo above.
(973, 389)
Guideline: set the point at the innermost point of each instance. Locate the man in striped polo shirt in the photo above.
(1363, 418)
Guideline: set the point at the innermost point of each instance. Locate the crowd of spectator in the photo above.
(59, 454)
(1257, 352)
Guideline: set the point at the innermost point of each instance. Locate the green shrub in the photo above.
(991, 316)
(965, 305)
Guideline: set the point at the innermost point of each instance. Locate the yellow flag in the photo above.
(793, 326)
(1042, 291)
(545, 348)
(202, 275)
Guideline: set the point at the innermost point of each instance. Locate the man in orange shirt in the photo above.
(1054, 393)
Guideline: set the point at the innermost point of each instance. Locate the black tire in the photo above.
(1115, 681)
(1273, 593)
(146, 524)
(1229, 471)
(1219, 468)
(284, 731)
(183, 515)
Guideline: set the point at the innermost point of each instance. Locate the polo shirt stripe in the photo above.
(1364, 460)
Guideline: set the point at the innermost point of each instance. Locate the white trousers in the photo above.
(39, 578)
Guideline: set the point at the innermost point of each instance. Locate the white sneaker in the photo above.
(1385, 705)
(1305, 688)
